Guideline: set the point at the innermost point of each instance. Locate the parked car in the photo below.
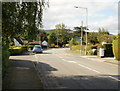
(37, 49)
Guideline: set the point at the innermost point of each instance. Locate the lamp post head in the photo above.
(75, 7)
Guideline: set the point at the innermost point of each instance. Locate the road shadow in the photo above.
(46, 53)
(86, 82)
(94, 82)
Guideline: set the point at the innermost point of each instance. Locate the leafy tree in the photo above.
(102, 31)
(104, 36)
(51, 37)
(21, 19)
(92, 38)
(77, 33)
(61, 32)
(43, 35)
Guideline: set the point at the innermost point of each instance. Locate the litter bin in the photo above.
(101, 52)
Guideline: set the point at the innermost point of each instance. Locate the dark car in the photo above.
(37, 49)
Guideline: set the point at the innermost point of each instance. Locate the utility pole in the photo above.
(86, 25)
(86, 30)
(81, 37)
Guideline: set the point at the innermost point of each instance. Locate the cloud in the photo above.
(63, 11)
(111, 24)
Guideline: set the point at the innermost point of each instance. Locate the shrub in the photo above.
(52, 45)
(100, 46)
(72, 41)
(5, 60)
(108, 50)
(15, 50)
(25, 48)
(94, 46)
(116, 48)
(90, 52)
(30, 45)
(75, 48)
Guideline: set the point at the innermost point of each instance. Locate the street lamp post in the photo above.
(81, 37)
(86, 25)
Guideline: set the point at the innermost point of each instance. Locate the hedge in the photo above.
(116, 48)
(15, 50)
(5, 60)
(76, 49)
(25, 48)
(30, 45)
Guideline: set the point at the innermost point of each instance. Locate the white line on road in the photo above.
(89, 68)
(72, 61)
(36, 58)
(114, 78)
(69, 61)
(64, 60)
(81, 65)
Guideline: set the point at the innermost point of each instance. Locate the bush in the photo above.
(75, 48)
(116, 48)
(90, 52)
(52, 45)
(108, 50)
(30, 45)
(99, 46)
(94, 46)
(5, 60)
(15, 50)
(25, 48)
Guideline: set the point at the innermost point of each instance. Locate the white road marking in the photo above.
(114, 78)
(89, 68)
(72, 61)
(64, 60)
(81, 65)
(36, 58)
(69, 61)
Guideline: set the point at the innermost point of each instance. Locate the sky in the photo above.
(101, 14)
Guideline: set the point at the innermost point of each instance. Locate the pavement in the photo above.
(103, 59)
(21, 74)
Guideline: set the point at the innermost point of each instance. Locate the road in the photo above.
(63, 70)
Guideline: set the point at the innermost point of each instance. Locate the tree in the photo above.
(21, 19)
(104, 36)
(42, 35)
(92, 38)
(102, 31)
(77, 33)
(62, 32)
(51, 37)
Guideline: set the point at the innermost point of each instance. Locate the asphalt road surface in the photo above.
(60, 69)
